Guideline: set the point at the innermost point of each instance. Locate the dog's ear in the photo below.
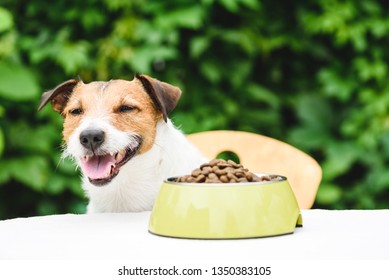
(58, 96)
(164, 95)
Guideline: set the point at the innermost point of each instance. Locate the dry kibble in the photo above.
(266, 178)
(206, 170)
(214, 162)
(215, 168)
(196, 172)
(224, 179)
(248, 175)
(200, 178)
(221, 171)
(222, 165)
(212, 180)
(231, 176)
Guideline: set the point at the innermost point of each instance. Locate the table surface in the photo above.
(326, 234)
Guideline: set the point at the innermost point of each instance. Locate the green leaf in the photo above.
(268, 119)
(75, 186)
(17, 83)
(308, 137)
(243, 70)
(5, 171)
(30, 170)
(191, 17)
(340, 158)
(92, 18)
(56, 184)
(143, 58)
(262, 94)
(370, 69)
(21, 131)
(314, 111)
(211, 71)
(230, 5)
(328, 194)
(231, 107)
(198, 46)
(47, 207)
(1, 142)
(8, 44)
(336, 86)
(385, 144)
(380, 180)
(252, 4)
(77, 207)
(117, 4)
(379, 28)
(73, 56)
(6, 20)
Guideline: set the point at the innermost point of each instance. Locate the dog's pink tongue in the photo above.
(97, 167)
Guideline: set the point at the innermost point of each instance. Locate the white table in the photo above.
(326, 235)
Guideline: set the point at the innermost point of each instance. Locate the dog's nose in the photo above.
(92, 138)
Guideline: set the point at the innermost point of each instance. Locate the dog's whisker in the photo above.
(58, 164)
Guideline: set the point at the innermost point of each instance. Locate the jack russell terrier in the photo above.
(119, 134)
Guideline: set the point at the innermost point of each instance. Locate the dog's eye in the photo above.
(76, 112)
(126, 108)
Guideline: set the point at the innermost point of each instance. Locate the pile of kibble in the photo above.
(221, 171)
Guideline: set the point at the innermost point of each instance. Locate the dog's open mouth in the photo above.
(102, 168)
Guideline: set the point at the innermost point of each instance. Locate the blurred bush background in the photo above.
(311, 73)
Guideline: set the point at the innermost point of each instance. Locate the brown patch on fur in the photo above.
(58, 96)
(104, 99)
(164, 95)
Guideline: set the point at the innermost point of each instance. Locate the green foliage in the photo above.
(311, 73)
(17, 83)
(6, 21)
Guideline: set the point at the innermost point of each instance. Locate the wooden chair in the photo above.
(261, 154)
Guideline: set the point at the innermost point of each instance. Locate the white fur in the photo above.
(115, 140)
(137, 184)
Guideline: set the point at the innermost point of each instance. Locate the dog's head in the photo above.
(106, 124)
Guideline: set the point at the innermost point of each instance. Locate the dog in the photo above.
(119, 135)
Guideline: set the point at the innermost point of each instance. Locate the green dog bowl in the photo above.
(225, 211)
